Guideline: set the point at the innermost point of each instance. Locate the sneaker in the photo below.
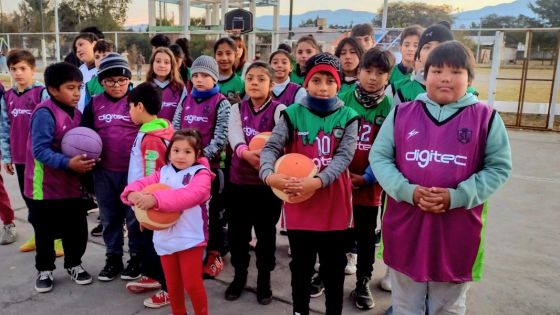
(235, 288)
(28, 246)
(160, 299)
(97, 231)
(143, 284)
(385, 283)
(214, 265)
(8, 234)
(361, 295)
(317, 286)
(79, 275)
(132, 270)
(350, 268)
(377, 238)
(264, 293)
(44, 282)
(113, 266)
(58, 249)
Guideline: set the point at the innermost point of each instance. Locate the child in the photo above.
(8, 233)
(146, 158)
(107, 114)
(350, 52)
(83, 47)
(231, 84)
(364, 35)
(17, 105)
(207, 110)
(325, 130)
(306, 47)
(371, 104)
(52, 184)
(408, 46)
(180, 247)
(164, 73)
(159, 40)
(101, 49)
(185, 66)
(437, 186)
(240, 56)
(250, 117)
(284, 91)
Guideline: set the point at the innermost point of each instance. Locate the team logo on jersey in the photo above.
(464, 135)
(411, 134)
(338, 133)
(379, 120)
(186, 179)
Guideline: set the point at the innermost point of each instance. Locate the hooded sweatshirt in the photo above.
(148, 151)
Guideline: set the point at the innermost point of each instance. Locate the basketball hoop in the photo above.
(238, 22)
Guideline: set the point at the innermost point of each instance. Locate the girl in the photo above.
(181, 246)
(260, 113)
(231, 85)
(165, 74)
(325, 130)
(284, 91)
(306, 48)
(184, 67)
(240, 56)
(350, 52)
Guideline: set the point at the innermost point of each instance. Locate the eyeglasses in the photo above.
(112, 83)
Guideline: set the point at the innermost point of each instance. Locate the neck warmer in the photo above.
(205, 94)
(369, 99)
(320, 105)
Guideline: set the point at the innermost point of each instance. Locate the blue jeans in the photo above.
(108, 187)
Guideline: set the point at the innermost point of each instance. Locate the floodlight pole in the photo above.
(385, 8)
(290, 20)
(57, 31)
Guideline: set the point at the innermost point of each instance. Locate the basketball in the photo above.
(153, 219)
(258, 141)
(82, 140)
(294, 165)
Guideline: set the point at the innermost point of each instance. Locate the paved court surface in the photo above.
(522, 261)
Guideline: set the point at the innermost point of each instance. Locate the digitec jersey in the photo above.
(170, 98)
(446, 247)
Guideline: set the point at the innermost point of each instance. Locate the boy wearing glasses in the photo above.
(108, 114)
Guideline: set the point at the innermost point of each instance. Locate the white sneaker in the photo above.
(385, 283)
(8, 234)
(352, 259)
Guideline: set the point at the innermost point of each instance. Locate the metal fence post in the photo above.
(555, 87)
(496, 56)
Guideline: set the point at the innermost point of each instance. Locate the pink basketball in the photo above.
(82, 140)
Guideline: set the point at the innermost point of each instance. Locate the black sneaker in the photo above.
(361, 295)
(113, 266)
(234, 290)
(44, 282)
(264, 294)
(132, 270)
(317, 286)
(79, 275)
(377, 238)
(97, 231)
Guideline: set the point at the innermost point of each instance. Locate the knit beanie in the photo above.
(113, 65)
(323, 62)
(205, 64)
(438, 32)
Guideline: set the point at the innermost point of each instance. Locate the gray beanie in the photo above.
(205, 64)
(113, 65)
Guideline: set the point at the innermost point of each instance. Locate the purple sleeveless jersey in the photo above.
(117, 131)
(288, 96)
(19, 109)
(43, 182)
(426, 246)
(170, 97)
(241, 172)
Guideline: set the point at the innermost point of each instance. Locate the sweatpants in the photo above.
(114, 213)
(183, 272)
(252, 206)
(6, 211)
(362, 237)
(305, 246)
(54, 219)
(409, 297)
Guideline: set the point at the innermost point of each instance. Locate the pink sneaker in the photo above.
(143, 284)
(160, 299)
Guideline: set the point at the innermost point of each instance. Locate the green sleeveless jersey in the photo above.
(370, 115)
(231, 86)
(397, 78)
(296, 76)
(347, 87)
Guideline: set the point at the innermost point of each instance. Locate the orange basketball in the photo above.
(153, 219)
(258, 141)
(294, 165)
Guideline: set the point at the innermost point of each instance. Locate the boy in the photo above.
(364, 35)
(410, 37)
(324, 130)
(148, 156)
(437, 185)
(372, 106)
(8, 233)
(52, 184)
(83, 47)
(107, 113)
(16, 107)
(159, 40)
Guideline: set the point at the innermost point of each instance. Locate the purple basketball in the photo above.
(82, 140)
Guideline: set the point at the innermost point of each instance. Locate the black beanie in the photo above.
(437, 32)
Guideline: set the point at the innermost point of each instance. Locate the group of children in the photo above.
(437, 152)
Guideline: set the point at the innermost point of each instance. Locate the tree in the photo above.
(108, 15)
(548, 11)
(401, 14)
(541, 39)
